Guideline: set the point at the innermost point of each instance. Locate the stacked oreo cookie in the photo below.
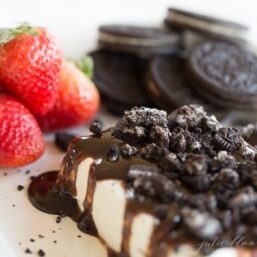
(157, 67)
(121, 63)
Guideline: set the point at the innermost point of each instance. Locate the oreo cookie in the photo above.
(224, 73)
(120, 80)
(167, 84)
(139, 40)
(218, 28)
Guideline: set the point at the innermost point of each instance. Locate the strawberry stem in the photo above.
(24, 28)
(86, 65)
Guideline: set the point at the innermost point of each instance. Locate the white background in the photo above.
(74, 23)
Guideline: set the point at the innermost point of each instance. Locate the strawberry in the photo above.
(77, 101)
(21, 140)
(30, 62)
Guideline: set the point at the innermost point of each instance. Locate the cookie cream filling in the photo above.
(196, 23)
(134, 41)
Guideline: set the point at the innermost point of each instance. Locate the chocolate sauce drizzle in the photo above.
(54, 192)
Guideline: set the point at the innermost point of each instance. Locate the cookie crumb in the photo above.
(32, 240)
(55, 242)
(5, 174)
(28, 251)
(41, 236)
(113, 154)
(96, 127)
(13, 205)
(20, 187)
(79, 236)
(41, 253)
(58, 219)
(27, 172)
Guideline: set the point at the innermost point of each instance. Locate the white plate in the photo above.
(22, 222)
(75, 24)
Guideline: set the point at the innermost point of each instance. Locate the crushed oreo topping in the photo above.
(151, 184)
(113, 153)
(128, 151)
(137, 170)
(227, 139)
(153, 152)
(160, 136)
(146, 117)
(200, 175)
(243, 198)
(96, 127)
(195, 165)
(186, 117)
(201, 224)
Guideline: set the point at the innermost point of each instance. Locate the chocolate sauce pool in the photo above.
(45, 195)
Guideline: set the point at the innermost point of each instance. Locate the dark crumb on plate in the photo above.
(32, 240)
(53, 231)
(58, 219)
(20, 187)
(19, 243)
(28, 251)
(5, 174)
(55, 242)
(41, 236)
(41, 253)
(13, 205)
(79, 236)
(60, 228)
(96, 127)
(27, 172)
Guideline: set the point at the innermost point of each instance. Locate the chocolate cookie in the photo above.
(224, 73)
(120, 80)
(167, 85)
(181, 19)
(139, 40)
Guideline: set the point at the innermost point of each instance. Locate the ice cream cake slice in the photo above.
(159, 185)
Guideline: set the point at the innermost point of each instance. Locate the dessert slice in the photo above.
(159, 185)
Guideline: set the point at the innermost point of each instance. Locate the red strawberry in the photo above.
(21, 140)
(30, 62)
(77, 101)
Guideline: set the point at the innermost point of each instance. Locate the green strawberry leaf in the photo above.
(7, 35)
(86, 65)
